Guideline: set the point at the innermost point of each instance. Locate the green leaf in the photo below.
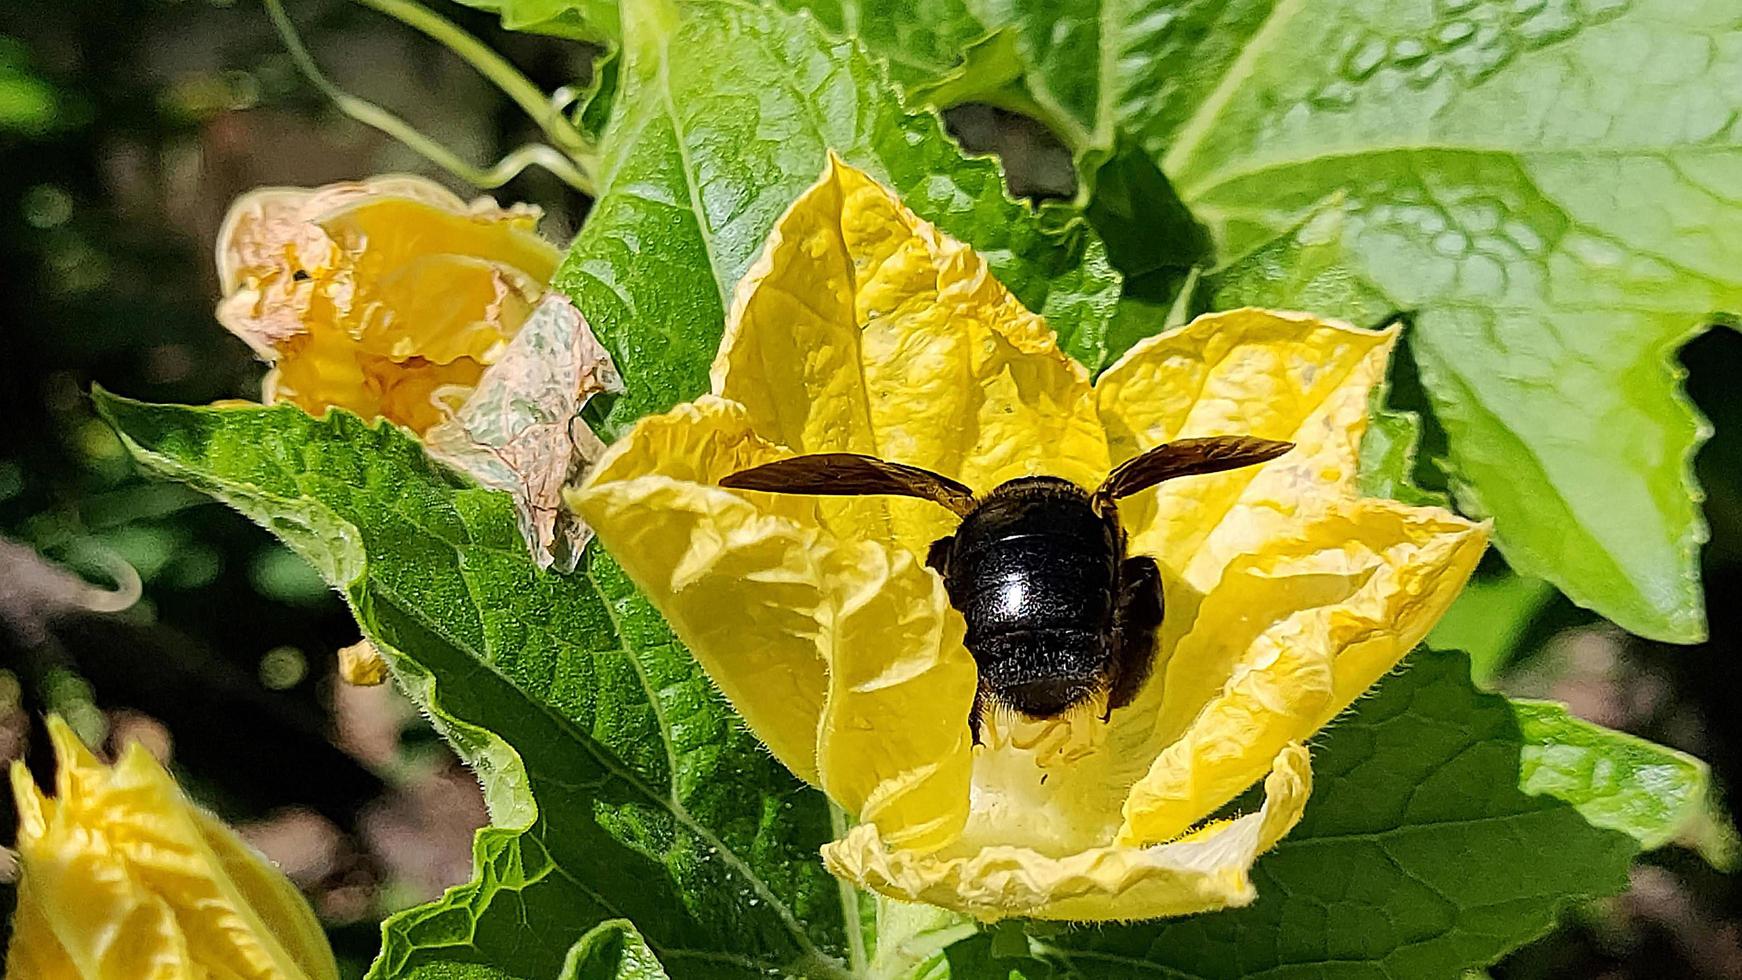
(612, 951)
(912, 939)
(1304, 268)
(726, 114)
(620, 784)
(922, 42)
(1388, 452)
(1423, 851)
(1555, 191)
(1091, 71)
(578, 20)
(1114, 80)
(1152, 239)
(1490, 619)
(1617, 781)
(1108, 71)
(1000, 953)
(989, 72)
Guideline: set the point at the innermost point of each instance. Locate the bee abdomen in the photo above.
(1042, 672)
(1033, 572)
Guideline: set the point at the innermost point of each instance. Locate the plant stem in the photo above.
(566, 166)
(839, 822)
(531, 99)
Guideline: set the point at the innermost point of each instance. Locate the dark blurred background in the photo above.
(127, 127)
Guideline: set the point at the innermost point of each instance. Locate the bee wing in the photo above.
(849, 475)
(1188, 457)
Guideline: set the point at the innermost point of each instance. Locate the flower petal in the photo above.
(266, 223)
(375, 295)
(863, 328)
(35, 952)
(1246, 372)
(894, 747)
(125, 878)
(437, 284)
(818, 642)
(264, 231)
(733, 579)
(1207, 871)
(1286, 640)
(517, 431)
(362, 664)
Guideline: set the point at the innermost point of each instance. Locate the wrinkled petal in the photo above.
(1207, 871)
(281, 910)
(1287, 639)
(520, 429)
(34, 951)
(896, 653)
(377, 296)
(821, 643)
(125, 879)
(1246, 372)
(266, 227)
(863, 328)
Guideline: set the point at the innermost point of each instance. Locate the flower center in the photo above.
(1042, 783)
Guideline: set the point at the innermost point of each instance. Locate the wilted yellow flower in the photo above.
(380, 296)
(362, 665)
(864, 329)
(124, 879)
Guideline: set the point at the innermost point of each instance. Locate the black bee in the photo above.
(1057, 612)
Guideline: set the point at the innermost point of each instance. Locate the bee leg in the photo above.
(937, 557)
(1136, 617)
(975, 712)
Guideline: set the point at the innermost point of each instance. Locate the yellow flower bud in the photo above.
(123, 879)
(864, 329)
(361, 664)
(387, 297)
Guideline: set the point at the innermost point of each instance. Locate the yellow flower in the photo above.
(864, 329)
(384, 296)
(124, 879)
